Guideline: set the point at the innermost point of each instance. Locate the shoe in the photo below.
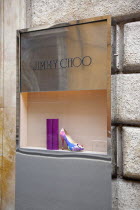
(72, 146)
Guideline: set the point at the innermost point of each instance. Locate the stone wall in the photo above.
(18, 14)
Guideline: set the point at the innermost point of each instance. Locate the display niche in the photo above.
(83, 115)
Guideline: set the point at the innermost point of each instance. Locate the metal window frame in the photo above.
(62, 153)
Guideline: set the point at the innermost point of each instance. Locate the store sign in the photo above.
(63, 63)
(71, 57)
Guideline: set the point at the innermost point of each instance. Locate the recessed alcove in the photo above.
(82, 113)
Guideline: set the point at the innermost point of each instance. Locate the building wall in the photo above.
(19, 14)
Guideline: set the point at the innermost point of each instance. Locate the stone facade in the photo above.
(132, 46)
(125, 195)
(131, 152)
(125, 98)
(125, 85)
(40, 12)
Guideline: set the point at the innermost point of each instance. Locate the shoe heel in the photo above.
(62, 143)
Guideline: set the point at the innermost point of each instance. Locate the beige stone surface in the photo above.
(1, 143)
(113, 148)
(132, 46)
(8, 171)
(131, 152)
(113, 48)
(1, 94)
(119, 46)
(1, 54)
(126, 98)
(10, 26)
(126, 195)
(12, 16)
(53, 12)
(14, 19)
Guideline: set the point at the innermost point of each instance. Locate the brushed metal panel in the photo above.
(66, 58)
(44, 183)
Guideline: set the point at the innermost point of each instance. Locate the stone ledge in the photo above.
(131, 152)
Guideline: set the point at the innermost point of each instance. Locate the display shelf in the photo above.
(60, 150)
(63, 154)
